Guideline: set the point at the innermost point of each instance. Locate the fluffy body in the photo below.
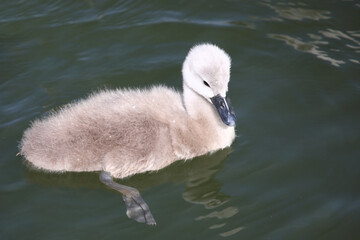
(125, 132)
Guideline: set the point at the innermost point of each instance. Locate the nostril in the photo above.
(222, 105)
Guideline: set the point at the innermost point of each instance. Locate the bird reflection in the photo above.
(198, 175)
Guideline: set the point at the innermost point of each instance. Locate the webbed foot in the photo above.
(136, 208)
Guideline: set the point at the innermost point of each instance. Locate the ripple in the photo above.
(346, 46)
(308, 47)
(217, 226)
(329, 44)
(225, 213)
(231, 232)
(337, 34)
(299, 14)
(295, 176)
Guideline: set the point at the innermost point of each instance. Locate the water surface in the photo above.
(293, 171)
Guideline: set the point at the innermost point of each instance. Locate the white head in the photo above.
(206, 71)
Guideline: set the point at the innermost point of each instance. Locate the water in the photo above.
(293, 171)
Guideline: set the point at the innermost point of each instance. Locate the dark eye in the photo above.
(206, 84)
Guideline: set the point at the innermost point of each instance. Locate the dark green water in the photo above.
(294, 169)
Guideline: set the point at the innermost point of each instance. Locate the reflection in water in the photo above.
(309, 47)
(336, 53)
(231, 232)
(217, 226)
(198, 175)
(225, 213)
(195, 173)
(297, 13)
(202, 187)
(338, 35)
(313, 46)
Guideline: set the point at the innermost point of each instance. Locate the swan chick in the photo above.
(124, 132)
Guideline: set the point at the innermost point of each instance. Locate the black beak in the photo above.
(224, 109)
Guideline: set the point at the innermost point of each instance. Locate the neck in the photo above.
(196, 106)
(199, 108)
(206, 116)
